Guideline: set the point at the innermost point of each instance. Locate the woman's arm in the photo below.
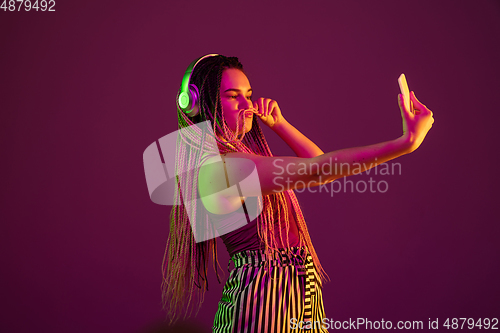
(269, 112)
(217, 181)
(300, 144)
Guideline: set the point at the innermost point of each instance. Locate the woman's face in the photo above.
(236, 95)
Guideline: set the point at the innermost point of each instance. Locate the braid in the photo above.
(185, 262)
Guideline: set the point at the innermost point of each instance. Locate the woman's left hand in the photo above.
(268, 111)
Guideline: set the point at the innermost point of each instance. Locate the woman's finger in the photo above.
(422, 107)
(265, 108)
(273, 107)
(401, 102)
(261, 106)
(419, 104)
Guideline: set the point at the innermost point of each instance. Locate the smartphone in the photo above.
(403, 86)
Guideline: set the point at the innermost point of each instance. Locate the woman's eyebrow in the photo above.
(237, 90)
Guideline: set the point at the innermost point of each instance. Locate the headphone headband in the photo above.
(189, 93)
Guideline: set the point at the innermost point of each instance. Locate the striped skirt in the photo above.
(282, 297)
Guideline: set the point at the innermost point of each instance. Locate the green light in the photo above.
(183, 100)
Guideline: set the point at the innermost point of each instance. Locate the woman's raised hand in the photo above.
(416, 122)
(268, 111)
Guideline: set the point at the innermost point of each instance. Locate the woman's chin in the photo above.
(248, 128)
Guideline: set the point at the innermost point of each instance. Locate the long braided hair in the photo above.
(185, 261)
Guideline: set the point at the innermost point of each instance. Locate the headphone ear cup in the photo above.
(194, 101)
(189, 95)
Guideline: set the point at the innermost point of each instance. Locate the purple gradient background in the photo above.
(85, 89)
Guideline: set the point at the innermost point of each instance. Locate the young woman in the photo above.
(276, 283)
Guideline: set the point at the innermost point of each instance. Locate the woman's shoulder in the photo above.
(224, 180)
(213, 185)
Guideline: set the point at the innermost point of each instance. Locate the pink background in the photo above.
(85, 89)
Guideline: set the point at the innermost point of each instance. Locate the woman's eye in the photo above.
(234, 97)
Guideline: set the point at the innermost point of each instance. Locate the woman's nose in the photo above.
(246, 104)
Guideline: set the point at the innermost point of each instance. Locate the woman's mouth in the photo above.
(248, 113)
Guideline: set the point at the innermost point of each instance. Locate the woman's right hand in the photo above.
(416, 122)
